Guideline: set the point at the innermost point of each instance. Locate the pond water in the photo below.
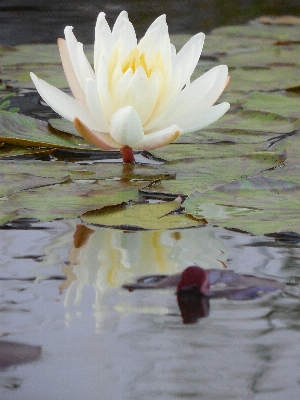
(40, 21)
(98, 338)
(61, 298)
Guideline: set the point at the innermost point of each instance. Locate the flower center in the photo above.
(135, 60)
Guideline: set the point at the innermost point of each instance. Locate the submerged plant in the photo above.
(4, 102)
(138, 95)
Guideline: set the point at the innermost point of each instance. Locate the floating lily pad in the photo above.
(11, 183)
(253, 121)
(279, 20)
(266, 57)
(8, 152)
(69, 200)
(142, 216)
(291, 145)
(4, 218)
(42, 59)
(20, 130)
(258, 205)
(63, 125)
(264, 79)
(287, 106)
(260, 30)
(218, 46)
(195, 173)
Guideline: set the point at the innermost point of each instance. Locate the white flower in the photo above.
(139, 93)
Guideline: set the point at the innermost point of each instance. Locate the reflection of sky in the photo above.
(107, 258)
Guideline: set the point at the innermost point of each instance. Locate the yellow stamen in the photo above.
(135, 60)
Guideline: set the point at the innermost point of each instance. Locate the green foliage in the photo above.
(4, 103)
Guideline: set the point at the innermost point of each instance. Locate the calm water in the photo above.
(102, 342)
(42, 21)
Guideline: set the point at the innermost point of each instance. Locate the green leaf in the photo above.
(20, 130)
(69, 200)
(264, 79)
(197, 173)
(257, 30)
(258, 205)
(281, 104)
(141, 216)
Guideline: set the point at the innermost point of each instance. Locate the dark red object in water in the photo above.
(214, 283)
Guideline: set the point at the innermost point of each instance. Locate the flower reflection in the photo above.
(107, 258)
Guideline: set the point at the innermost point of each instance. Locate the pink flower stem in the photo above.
(127, 155)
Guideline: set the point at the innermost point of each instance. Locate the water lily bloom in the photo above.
(138, 95)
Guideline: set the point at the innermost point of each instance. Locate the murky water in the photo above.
(41, 21)
(100, 341)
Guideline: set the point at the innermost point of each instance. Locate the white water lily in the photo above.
(138, 94)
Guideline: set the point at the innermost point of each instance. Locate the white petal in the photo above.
(169, 91)
(103, 90)
(187, 58)
(128, 36)
(117, 29)
(158, 139)
(86, 71)
(190, 102)
(148, 47)
(199, 95)
(63, 104)
(103, 39)
(120, 88)
(102, 140)
(73, 82)
(126, 127)
(94, 105)
(205, 118)
(158, 28)
(143, 93)
(73, 53)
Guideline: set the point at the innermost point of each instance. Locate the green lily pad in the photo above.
(220, 45)
(287, 106)
(276, 32)
(42, 59)
(264, 79)
(63, 125)
(266, 57)
(18, 76)
(142, 216)
(291, 145)
(202, 174)
(4, 218)
(7, 151)
(20, 130)
(11, 183)
(258, 205)
(69, 200)
(18, 176)
(253, 121)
